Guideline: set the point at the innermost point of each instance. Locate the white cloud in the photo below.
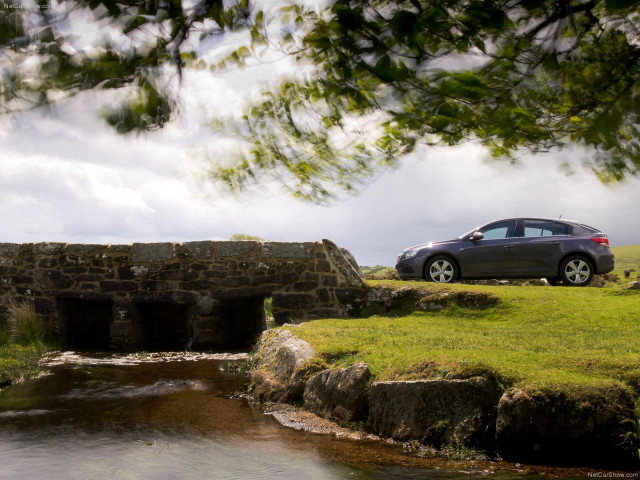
(108, 188)
(65, 176)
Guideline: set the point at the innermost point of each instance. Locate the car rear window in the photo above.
(591, 229)
(561, 229)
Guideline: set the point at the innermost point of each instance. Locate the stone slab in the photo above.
(287, 250)
(435, 412)
(201, 249)
(234, 248)
(9, 249)
(341, 394)
(152, 252)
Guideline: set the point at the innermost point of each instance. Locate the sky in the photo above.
(66, 176)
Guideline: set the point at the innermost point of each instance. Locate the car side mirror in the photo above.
(475, 236)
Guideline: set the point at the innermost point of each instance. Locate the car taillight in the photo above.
(602, 240)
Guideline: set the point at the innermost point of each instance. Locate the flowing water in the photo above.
(179, 416)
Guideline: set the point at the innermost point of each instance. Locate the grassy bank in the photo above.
(546, 337)
(22, 343)
(20, 362)
(627, 258)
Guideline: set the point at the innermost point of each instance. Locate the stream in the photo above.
(180, 416)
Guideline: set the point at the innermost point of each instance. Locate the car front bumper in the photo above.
(406, 269)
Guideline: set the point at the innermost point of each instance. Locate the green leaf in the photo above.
(614, 5)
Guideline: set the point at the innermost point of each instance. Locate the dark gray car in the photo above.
(558, 250)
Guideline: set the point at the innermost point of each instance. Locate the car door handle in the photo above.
(555, 243)
(509, 247)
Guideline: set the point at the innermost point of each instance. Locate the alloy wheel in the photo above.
(441, 271)
(577, 271)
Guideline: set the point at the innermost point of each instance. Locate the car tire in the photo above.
(576, 271)
(441, 269)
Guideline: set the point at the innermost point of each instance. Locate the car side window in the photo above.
(560, 229)
(538, 228)
(499, 230)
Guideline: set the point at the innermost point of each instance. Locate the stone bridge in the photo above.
(167, 296)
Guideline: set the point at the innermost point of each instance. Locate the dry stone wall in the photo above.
(203, 294)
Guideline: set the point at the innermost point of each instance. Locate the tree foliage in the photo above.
(381, 78)
(512, 75)
(241, 237)
(43, 60)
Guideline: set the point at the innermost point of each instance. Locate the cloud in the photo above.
(65, 176)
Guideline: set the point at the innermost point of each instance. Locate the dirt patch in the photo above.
(299, 419)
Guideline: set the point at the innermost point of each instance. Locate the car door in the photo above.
(540, 248)
(494, 255)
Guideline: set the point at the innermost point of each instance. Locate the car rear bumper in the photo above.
(605, 263)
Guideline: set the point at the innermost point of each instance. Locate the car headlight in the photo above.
(409, 254)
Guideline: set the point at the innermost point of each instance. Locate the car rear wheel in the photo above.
(441, 269)
(576, 271)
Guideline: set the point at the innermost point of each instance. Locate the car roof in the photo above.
(574, 223)
(546, 219)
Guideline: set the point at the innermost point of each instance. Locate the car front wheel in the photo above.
(441, 269)
(576, 271)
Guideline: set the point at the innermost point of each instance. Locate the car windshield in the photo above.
(468, 234)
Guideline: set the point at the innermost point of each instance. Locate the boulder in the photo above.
(378, 294)
(435, 301)
(340, 394)
(435, 412)
(387, 297)
(441, 299)
(592, 428)
(279, 374)
(633, 285)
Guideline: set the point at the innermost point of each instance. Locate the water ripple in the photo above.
(109, 390)
(24, 413)
(78, 359)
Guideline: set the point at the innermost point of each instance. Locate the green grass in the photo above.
(22, 325)
(22, 343)
(627, 258)
(20, 362)
(540, 337)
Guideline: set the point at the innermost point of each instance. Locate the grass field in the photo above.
(378, 271)
(537, 337)
(627, 258)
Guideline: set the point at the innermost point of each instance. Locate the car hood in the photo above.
(431, 244)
